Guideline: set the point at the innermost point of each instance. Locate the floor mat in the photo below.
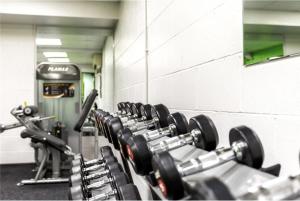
(10, 175)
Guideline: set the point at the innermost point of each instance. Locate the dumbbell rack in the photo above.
(236, 176)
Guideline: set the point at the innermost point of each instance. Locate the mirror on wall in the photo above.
(271, 30)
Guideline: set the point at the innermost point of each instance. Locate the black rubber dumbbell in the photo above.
(159, 114)
(80, 178)
(140, 113)
(112, 125)
(125, 192)
(86, 170)
(101, 114)
(105, 152)
(121, 109)
(203, 134)
(245, 148)
(177, 125)
(129, 111)
(115, 179)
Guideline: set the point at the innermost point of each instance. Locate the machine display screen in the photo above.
(58, 90)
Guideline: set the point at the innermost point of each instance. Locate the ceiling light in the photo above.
(59, 60)
(55, 54)
(48, 41)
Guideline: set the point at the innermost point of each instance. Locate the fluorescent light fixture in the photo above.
(48, 41)
(55, 54)
(59, 60)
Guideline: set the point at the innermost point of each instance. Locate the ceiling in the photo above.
(79, 43)
(82, 26)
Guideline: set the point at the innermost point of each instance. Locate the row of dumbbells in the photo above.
(89, 180)
(139, 132)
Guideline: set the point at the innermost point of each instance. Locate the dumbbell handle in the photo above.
(158, 133)
(96, 175)
(131, 121)
(99, 184)
(94, 161)
(281, 188)
(143, 125)
(130, 117)
(212, 159)
(175, 142)
(104, 196)
(94, 167)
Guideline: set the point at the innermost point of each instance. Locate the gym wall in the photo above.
(17, 67)
(192, 62)
(106, 101)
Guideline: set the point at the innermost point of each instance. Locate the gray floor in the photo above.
(10, 175)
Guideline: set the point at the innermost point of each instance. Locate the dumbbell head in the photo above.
(122, 106)
(128, 108)
(118, 179)
(106, 119)
(179, 122)
(210, 189)
(168, 178)
(139, 154)
(160, 112)
(209, 136)
(114, 125)
(137, 146)
(106, 151)
(112, 167)
(146, 111)
(253, 155)
(123, 137)
(119, 106)
(136, 109)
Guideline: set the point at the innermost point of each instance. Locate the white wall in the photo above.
(195, 65)
(107, 75)
(17, 63)
(130, 55)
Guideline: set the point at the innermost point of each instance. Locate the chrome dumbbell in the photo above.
(245, 148)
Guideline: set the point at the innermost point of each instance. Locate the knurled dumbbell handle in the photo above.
(156, 134)
(94, 161)
(143, 125)
(99, 184)
(175, 142)
(104, 196)
(207, 161)
(166, 145)
(96, 175)
(94, 167)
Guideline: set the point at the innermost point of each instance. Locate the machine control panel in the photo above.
(58, 90)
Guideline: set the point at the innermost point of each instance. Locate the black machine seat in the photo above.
(87, 105)
(44, 137)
